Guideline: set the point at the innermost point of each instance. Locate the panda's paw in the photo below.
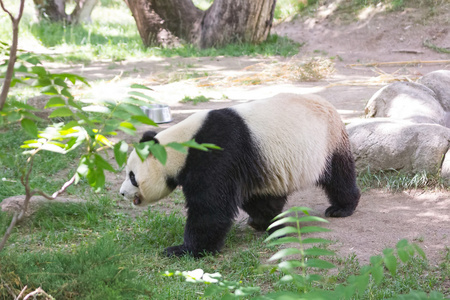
(338, 212)
(176, 251)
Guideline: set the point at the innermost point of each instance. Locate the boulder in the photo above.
(384, 143)
(406, 101)
(439, 83)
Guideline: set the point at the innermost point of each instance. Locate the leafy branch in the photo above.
(307, 281)
(13, 51)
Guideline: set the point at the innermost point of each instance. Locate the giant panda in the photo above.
(270, 148)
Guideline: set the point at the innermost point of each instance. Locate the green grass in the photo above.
(194, 100)
(50, 170)
(396, 181)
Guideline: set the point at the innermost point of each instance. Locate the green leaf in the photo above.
(212, 290)
(65, 91)
(30, 127)
(294, 209)
(38, 70)
(55, 102)
(132, 109)
(285, 252)
(144, 120)
(318, 252)
(49, 90)
(143, 149)
(120, 152)
(403, 254)
(140, 86)
(141, 95)
(23, 106)
(178, 147)
(290, 264)
(30, 116)
(60, 82)
(316, 240)
(159, 152)
(195, 145)
(284, 240)
(419, 250)
(390, 261)
(61, 112)
(376, 260)
(309, 229)
(102, 163)
(319, 263)
(282, 231)
(377, 274)
(127, 127)
(291, 219)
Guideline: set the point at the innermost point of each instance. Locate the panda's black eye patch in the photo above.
(133, 179)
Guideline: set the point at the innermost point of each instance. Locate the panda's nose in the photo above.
(123, 194)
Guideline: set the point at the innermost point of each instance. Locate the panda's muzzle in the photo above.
(136, 200)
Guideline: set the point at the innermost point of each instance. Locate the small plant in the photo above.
(301, 266)
(195, 100)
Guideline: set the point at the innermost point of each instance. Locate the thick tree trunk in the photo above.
(55, 10)
(226, 21)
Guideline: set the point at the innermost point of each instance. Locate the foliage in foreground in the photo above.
(300, 266)
(40, 254)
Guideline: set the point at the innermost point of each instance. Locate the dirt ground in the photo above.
(382, 218)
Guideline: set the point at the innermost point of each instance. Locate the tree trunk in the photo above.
(82, 11)
(55, 10)
(226, 21)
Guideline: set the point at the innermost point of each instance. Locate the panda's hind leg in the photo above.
(262, 209)
(339, 183)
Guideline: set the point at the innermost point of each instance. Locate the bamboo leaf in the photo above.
(55, 101)
(159, 152)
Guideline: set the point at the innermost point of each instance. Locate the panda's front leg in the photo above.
(206, 228)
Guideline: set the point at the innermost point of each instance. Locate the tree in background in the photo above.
(226, 21)
(55, 10)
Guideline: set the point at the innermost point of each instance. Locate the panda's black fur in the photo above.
(219, 182)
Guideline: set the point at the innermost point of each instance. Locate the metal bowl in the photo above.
(160, 113)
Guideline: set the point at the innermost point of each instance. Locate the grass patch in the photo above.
(49, 169)
(394, 181)
(432, 46)
(195, 100)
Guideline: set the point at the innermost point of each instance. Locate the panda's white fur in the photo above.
(272, 147)
(290, 128)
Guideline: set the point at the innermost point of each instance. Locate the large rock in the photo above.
(406, 101)
(439, 83)
(384, 144)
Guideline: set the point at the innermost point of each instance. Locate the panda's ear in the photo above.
(149, 136)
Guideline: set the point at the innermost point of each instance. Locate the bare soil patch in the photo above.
(382, 218)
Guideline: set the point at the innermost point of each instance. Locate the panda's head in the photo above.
(146, 181)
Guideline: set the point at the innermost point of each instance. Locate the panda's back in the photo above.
(295, 135)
